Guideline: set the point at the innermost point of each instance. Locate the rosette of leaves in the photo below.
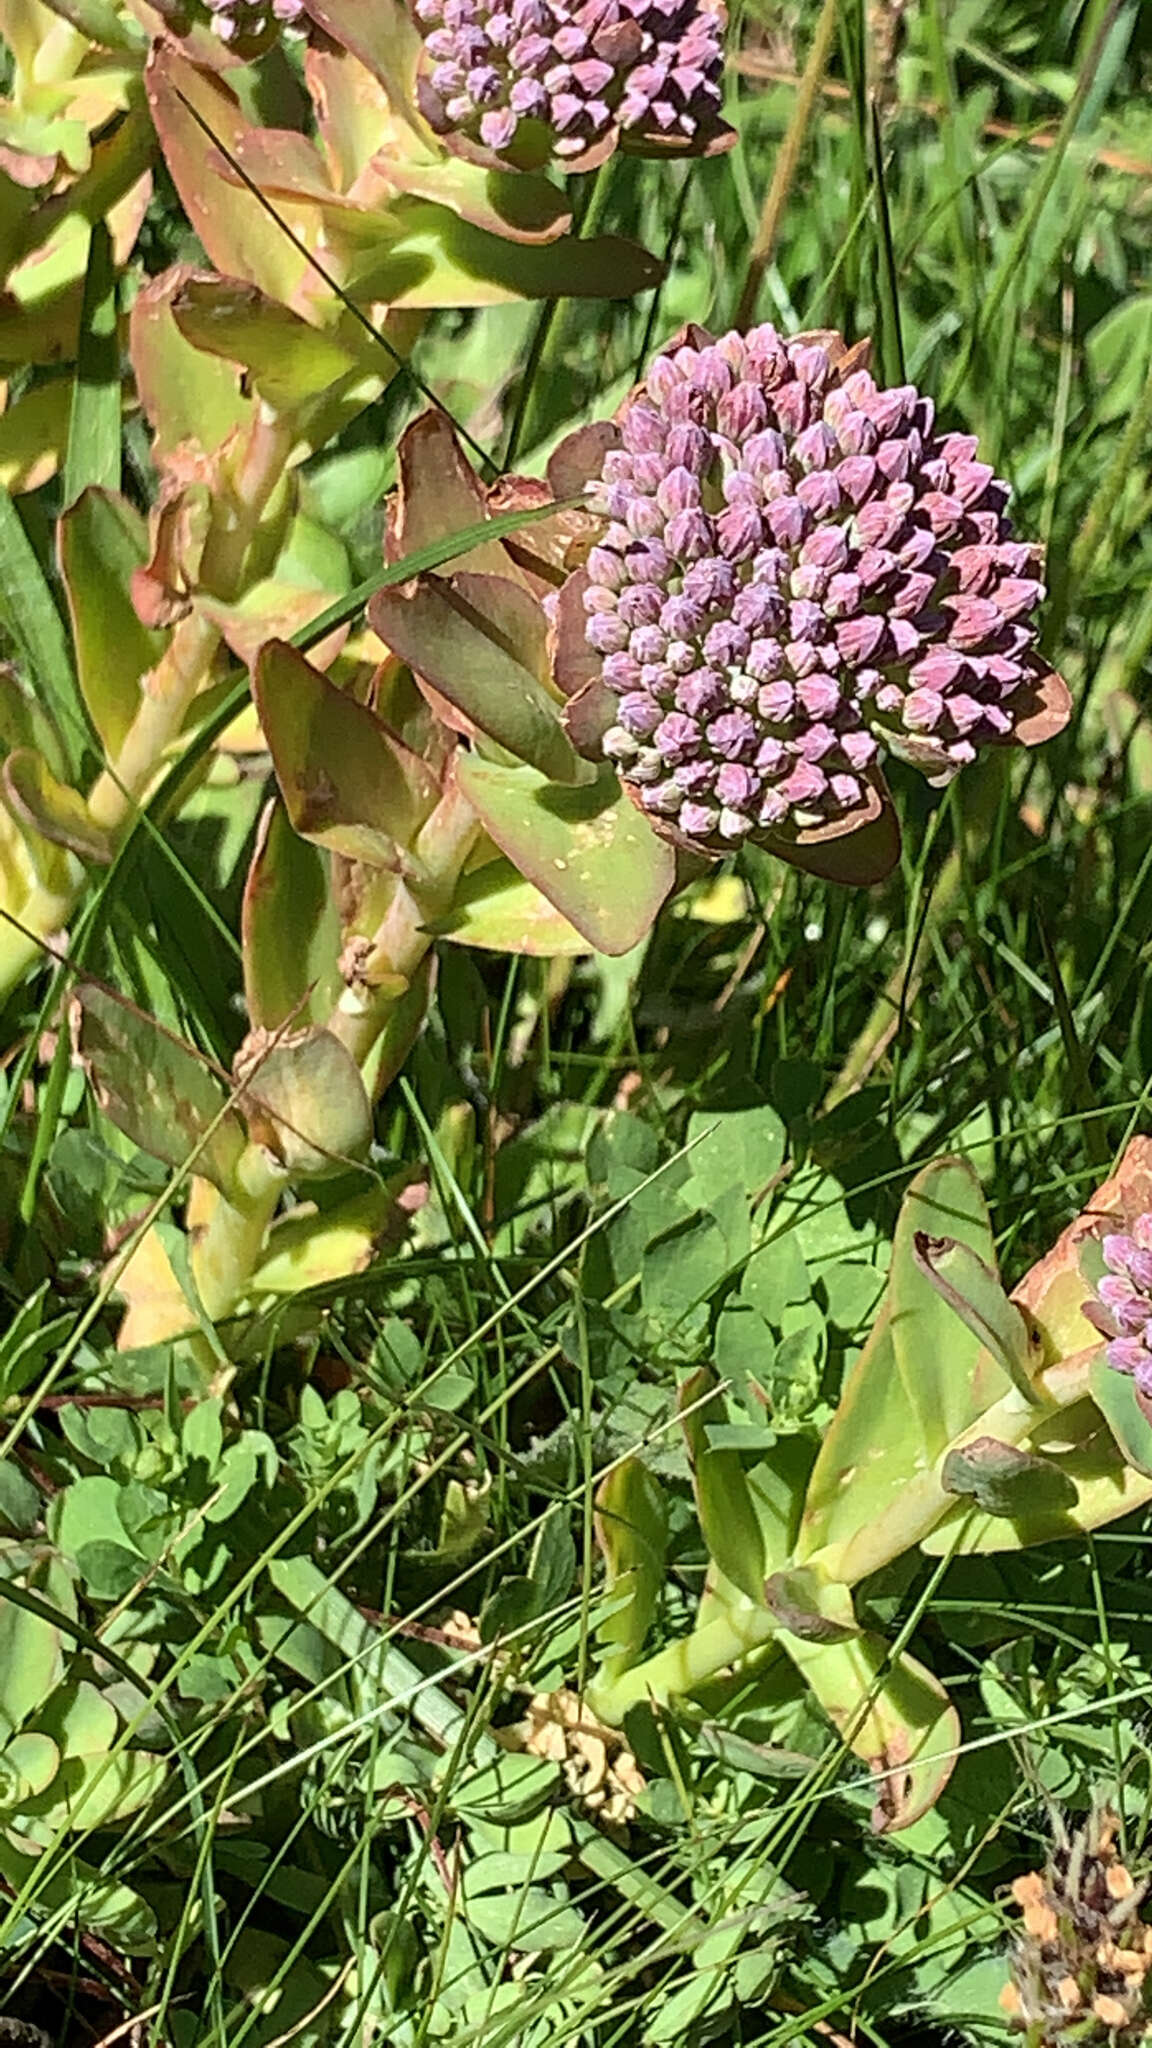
(972, 1421)
(381, 214)
(75, 150)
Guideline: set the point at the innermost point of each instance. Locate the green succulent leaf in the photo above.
(348, 783)
(1116, 1396)
(947, 1376)
(102, 542)
(1004, 1480)
(496, 909)
(290, 927)
(58, 813)
(893, 1714)
(479, 642)
(305, 1100)
(809, 1607)
(632, 1532)
(1107, 1487)
(729, 1522)
(289, 362)
(156, 1090)
(587, 848)
(972, 1288)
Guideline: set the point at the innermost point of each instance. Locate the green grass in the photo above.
(336, 1847)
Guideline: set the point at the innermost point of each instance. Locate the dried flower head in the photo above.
(527, 81)
(1080, 1966)
(798, 573)
(1124, 1295)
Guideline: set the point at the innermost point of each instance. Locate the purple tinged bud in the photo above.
(858, 639)
(740, 532)
(802, 657)
(735, 785)
(966, 714)
(619, 745)
(644, 518)
(620, 672)
(679, 617)
(688, 447)
(639, 714)
(756, 606)
(811, 364)
(820, 696)
(857, 435)
(816, 447)
(643, 431)
(712, 583)
(827, 548)
(701, 694)
(681, 658)
(677, 736)
(847, 790)
(647, 644)
(806, 784)
(663, 798)
(640, 605)
(733, 735)
(856, 476)
(607, 634)
(911, 594)
(649, 563)
(679, 492)
(860, 748)
(877, 523)
(842, 597)
(793, 408)
(1018, 594)
(819, 493)
(689, 536)
(923, 710)
(606, 567)
(974, 620)
(894, 460)
(699, 821)
(597, 599)
(817, 743)
(726, 644)
(765, 660)
(787, 522)
(920, 550)
(765, 453)
(742, 412)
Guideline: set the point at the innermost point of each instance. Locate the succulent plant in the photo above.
(1080, 1966)
(536, 80)
(799, 574)
(972, 1421)
(1123, 1306)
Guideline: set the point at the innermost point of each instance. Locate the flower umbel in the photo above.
(798, 573)
(1125, 1294)
(530, 80)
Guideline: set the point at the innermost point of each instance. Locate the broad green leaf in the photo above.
(34, 436)
(93, 456)
(741, 1148)
(304, 1100)
(496, 909)
(868, 1453)
(156, 1090)
(897, 1717)
(95, 1791)
(57, 812)
(187, 395)
(588, 848)
(1119, 1403)
(972, 1288)
(1080, 1443)
(1006, 1481)
(347, 782)
(947, 1377)
(632, 1532)
(290, 928)
(433, 258)
(289, 362)
(79, 1719)
(479, 641)
(729, 1522)
(102, 540)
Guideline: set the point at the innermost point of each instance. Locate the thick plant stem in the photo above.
(397, 949)
(226, 1250)
(685, 1665)
(788, 160)
(183, 671)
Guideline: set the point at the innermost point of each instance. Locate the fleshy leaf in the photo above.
(347, 782)
(948, 1379)
(496, 909)
(1107, 1487)
(102, 542)
(972, 1288)
(289, 362)
(305, 1101)
(587, 848)
(290, 929)
(57, 812)
(1004, 1480)
(898, 1719)
(728, 1520)
(155, 1089)
(1116, 1396)
(856, 851)
(435, 259)
(813, 1610)
(307, 1249)
(479, 641)
(632, 1532)
(186, 394)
